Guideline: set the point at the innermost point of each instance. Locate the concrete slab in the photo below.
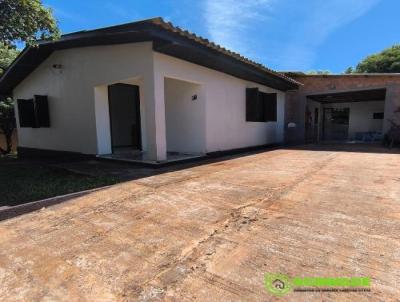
(211, 232)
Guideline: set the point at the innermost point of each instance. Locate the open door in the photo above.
(124, 107)
(336, 124)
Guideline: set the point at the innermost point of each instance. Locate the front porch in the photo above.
(141, 157)
(151, 120)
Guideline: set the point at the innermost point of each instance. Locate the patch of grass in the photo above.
(25, 182)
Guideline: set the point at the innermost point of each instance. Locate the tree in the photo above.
(318, 72)
(26, 21)
(7, 122)
(386, 61)
(7, 56)
(349, 70)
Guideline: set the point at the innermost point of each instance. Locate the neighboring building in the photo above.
(348, 107)
(145, 86)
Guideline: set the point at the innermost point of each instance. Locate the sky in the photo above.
(285, 35)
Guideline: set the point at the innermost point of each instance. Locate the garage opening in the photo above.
(346, 116)
(336, 124)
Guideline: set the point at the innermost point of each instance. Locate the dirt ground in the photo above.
(211, 232)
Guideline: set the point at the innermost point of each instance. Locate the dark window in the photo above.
(378, 116)
(254, 109)
(34, 113)
(26, 113)
(260, 106)
(42, 111)
(270, 106)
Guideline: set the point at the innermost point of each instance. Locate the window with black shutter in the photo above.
(34, 113)
(26, 112)
(378, 116)
(42, 111)
(260, 106)
(253, 102)
(270, 107)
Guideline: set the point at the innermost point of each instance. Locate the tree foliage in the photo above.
(318, 72)
(349, 70)
(7, 122)
(20, 21)
(386, 61)
(7, 56)
(26, 21)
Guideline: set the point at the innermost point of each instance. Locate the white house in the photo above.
(145, 89)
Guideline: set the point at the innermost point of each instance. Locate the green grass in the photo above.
(25, 182)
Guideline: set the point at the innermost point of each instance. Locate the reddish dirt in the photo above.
(211, 232)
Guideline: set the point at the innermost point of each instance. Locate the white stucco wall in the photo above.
(361, 116)
(103, 131)
(86, 72)
(224, 100)
(78, 101)
(185, 117)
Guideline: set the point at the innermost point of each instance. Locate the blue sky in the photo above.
(282, 34)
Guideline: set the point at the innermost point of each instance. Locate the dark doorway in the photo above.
(312, 125)
(316, 125)
(336, 124)
(124, 106)
(309, 128)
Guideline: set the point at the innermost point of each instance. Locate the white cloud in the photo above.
(283, 33)
(228, 21)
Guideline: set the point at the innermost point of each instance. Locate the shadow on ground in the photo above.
(212, 232)
(132, 171)
(348, 147)
(129, 171)
(123, 172)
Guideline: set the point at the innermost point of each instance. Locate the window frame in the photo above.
(261, 106)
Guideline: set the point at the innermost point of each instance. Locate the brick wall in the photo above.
(314, 84)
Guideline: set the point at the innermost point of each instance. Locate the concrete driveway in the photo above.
(211, 232)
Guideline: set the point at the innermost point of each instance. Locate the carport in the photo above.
(353, 115)
(304, 107)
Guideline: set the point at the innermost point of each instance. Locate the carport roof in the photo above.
(166, 38)
(350, 96)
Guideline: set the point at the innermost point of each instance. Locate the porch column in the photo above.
(392, 102)
(155, 118)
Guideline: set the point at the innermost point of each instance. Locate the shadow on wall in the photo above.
(14, 141)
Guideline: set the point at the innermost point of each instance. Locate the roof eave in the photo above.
(161, 33)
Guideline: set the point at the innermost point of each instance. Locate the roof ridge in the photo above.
(159, 21)
(190, 35)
